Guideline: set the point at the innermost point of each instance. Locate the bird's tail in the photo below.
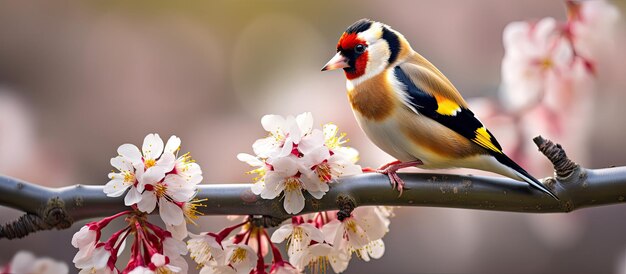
(524, 175)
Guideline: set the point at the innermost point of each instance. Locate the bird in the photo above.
(409, 109)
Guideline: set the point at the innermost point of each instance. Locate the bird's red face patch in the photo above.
(348, 41)
(357, 61)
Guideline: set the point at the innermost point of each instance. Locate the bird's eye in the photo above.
(360, 48)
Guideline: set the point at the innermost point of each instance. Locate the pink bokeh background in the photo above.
(77, 79)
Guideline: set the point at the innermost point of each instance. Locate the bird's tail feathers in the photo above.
(524, 175)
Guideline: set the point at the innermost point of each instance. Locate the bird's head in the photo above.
(366, 49)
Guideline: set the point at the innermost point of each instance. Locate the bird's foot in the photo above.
(391, 169)
(381, 168)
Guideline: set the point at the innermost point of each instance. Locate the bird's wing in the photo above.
(428, 95)
(432, 95)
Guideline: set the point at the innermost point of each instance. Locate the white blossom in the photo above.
(26, 262)
(322, 253)
(205, 249)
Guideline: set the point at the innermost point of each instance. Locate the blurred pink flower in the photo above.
(26, 262)
(592, 26)
(536, 57)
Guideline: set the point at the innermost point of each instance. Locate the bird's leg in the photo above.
(385, 166)
(390, 170)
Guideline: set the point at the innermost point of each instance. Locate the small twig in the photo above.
(563, 166)
(52, 216)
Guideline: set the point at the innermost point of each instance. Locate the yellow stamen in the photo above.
(319, 264)
(160, 190)
(292, 183)
(163, 270)
(149, 163)
(238, 255)
(334, 141)
(297, 236)
(324, 172)
(260, 173)
(129, 177)
(184, 162)
(191, 212)
(350, 225)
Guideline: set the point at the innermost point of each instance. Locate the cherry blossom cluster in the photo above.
(321, 239)
(26, 262)
(155, 176)
(153, 250)
(239, 253)
(314, 241)
(295, 158)
(543, 57)
(548, 77)
(150, 177)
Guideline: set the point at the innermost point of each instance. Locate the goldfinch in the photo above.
(409, 109)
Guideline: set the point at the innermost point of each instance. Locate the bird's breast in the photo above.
(374, 99)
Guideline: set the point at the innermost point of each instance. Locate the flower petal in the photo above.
(311, 141)
(274, 185)
(122, 163)
(273, 123)
(284, 166)
(315, 156)
(84, 237)
(265, 147)
(166, 162)
(152, 146)
(317, 194)
(314, 233)
(171, 213)
(330, 230)
(293, 131)
(282, 233)
(376, 249)
(100, 257)
(148, 202)
(305, 122)
(132, 197)
(285, 150)
(115, 187)
(294, 201)
(131, 152)
(178, 188)
(258, 187)
(249, 159)
(339, 260)
(245, 264)
(152, 176)
(173, 144)
(179, 232)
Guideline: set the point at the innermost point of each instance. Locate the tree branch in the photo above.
(48, 208)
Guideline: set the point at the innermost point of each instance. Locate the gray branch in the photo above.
(48, 208)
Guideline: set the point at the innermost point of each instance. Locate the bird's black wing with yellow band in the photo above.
(462, 121)
(449, 114)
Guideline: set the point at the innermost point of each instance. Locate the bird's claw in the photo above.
(395, 180)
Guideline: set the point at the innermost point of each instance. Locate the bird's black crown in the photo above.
(359, 26)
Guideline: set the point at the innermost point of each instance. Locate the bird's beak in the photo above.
(338, 61)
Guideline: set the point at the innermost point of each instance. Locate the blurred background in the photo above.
(78, 78)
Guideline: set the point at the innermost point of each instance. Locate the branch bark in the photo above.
(48, 208)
